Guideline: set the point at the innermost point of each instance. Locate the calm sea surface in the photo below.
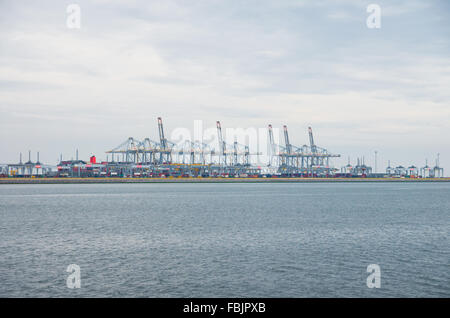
(225, 240)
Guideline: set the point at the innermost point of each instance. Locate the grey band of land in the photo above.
(207, 180)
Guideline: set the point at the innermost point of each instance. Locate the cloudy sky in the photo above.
(246, 63)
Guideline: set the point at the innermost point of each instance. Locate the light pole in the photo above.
(376, 152)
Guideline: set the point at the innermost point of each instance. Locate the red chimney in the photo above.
(93, 159)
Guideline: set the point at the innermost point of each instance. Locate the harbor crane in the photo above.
(222, 145)
(273, 148)
(165, 151)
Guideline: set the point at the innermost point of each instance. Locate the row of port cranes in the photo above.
(187, 158)
(193, 158)
(414, 172)
(28, 168)
(200, 159)
(304, 161)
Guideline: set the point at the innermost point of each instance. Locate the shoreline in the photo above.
(206, 180)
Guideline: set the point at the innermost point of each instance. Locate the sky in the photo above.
(245, 63)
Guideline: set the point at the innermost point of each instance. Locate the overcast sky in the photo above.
(245, 63)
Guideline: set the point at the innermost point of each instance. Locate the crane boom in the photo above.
(222, 145)
(161, 134)
(220, 138)
(235, 151)
(271, 141)
(311, 141)
(272, 147)
(286, 140)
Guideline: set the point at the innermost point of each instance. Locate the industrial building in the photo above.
(26, 169)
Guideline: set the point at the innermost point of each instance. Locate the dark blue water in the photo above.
(225, 240)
